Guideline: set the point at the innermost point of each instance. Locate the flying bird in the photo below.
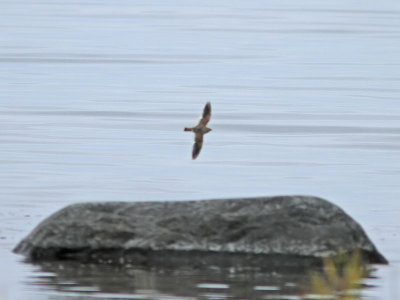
(200, 130)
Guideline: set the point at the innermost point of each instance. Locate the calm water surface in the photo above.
(94, 96)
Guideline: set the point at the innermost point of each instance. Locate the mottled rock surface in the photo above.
(147, 232)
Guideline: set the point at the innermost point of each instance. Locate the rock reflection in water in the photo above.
(71, 278)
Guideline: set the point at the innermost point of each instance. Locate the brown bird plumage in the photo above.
(200, 130)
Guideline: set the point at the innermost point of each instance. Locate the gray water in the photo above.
(94, 96)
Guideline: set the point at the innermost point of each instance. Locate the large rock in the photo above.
(186, 231)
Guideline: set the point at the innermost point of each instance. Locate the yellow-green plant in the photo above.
(340, 277)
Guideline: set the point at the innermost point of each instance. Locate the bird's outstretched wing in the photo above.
(206, 114)
(198, 143)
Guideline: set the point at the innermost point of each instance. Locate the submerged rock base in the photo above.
(247, 232)
(183, 260)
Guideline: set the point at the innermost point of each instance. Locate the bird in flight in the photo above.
(200, 130)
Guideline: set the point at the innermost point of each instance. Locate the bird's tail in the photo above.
(187, 129)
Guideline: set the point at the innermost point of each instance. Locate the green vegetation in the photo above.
(341, 278)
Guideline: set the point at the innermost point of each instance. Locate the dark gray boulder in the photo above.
(187, 231)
